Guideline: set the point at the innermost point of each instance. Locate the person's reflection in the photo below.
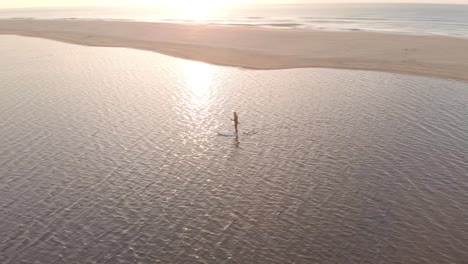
(236, 141)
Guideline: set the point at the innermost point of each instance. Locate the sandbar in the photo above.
(263, 48)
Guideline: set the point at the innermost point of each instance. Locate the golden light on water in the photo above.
(199, 80)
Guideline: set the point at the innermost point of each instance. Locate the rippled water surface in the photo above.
(110, 155)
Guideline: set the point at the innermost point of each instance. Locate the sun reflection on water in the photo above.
(199, 82)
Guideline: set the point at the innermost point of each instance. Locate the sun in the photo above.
(197, 9)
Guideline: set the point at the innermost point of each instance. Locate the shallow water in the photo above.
(110, 155)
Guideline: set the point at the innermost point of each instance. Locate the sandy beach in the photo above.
(263, 48)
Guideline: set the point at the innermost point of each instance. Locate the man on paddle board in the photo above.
(236, 121)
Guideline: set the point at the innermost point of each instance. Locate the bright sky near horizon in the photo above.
(172, 3)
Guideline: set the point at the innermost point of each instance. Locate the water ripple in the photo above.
(111, 156)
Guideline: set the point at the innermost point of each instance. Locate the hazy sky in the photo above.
(39, 3)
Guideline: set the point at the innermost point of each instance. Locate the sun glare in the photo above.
(200, 9)
(200, 82)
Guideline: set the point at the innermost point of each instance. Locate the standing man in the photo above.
(236, 121)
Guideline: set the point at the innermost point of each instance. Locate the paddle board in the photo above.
(232, 133)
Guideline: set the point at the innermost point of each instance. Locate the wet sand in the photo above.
(263, 48)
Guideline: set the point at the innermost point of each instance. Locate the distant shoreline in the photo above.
(281, 25)
(263, 48)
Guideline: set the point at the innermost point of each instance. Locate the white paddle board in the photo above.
(233, 133)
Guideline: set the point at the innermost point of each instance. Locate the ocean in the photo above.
(427, 19)
(110, 155)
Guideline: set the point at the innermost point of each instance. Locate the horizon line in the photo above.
(236, 5)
